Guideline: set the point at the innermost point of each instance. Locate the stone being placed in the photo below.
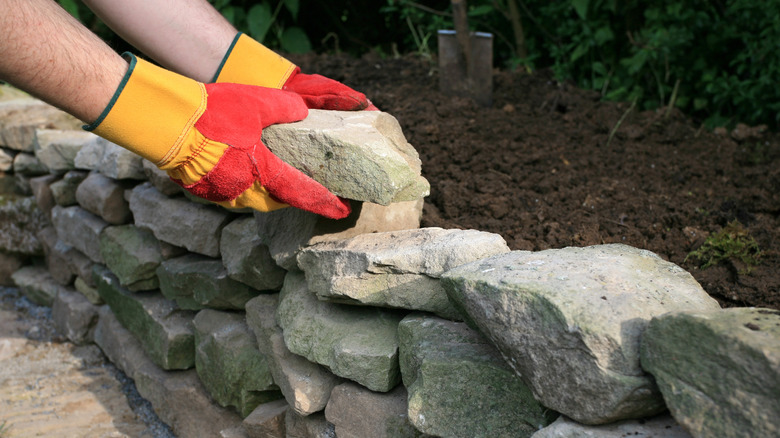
(288, 230)
(661, 426)
(306, 385)
(357, 343)
(80, 229)
(357, 412)
(569, 321)
(398, 269)
(360, 155)
(718, 370)
(133, 254)
(110, 159)
(246, 258)
(64, 190)
(20, 118)
(20, 221)
(231, 368)
(104, 197)
(196, 282)
(178, 221)
(57, 148)
(459, 385)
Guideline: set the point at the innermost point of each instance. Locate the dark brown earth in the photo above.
(539, 168)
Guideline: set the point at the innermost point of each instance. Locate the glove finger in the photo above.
(320, 92)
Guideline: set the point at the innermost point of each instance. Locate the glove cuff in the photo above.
(251, 63)
(152, 112)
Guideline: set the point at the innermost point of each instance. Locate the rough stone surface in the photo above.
(231, 368)
(357, 343)
(110, 159)
(196, 282)
(20, 221)
(460, 386)
(287, 230)
(29, 165)
(160, 179)
(164, 330)
(357, 412)
(361, 155)
(79, 229)
(569, 321)
(178, 397)
(719, 370)
(399, 269)
(662, 426)
(104, 197)
(305, 385)
(6, 160)
(133, 255)
(89, 292)
(57, 148)
(20, 118)
(175, 220)
(58, 256)
(246, 258)
(42, 193)
(64, 190)
(36, 284)
(9, 263)
(267, 420)
(311, 426)
(74, 316)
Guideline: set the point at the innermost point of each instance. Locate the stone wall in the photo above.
(248, 324)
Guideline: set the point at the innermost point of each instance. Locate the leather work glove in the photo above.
(207, 137)
(249, 62)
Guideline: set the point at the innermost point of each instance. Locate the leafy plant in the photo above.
(272, 23)
(731, 243)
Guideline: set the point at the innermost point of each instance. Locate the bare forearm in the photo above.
(186, 36)
(49, 54)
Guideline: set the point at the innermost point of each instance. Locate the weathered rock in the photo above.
(74, 316)
(178, 397)
(398, 269)
(89, 292)
(310, 426)
(164, 330)
(20, 118)
(288, 230)
(178, 221)
(357, 343)
(160, 179)
(361, 155)
(196, 282)
(58, 256)
(104, 197)
(569, 321)
(305, 385)
(22, 183)
(133, 254)
(267, 420)
(29, 165)
(719, 370)
(662, 426)
(9, 263)
(36, 284)
(57, 148)
(6, 160)
(246, 258)
(42, 193)
(460, 386)
(64, 190)
(20, 222)
(110, 159)
(229, 364)
(80, 229)
(357, 412)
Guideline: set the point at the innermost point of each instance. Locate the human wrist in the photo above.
(251, 63)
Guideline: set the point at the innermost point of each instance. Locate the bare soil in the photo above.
(549, 165)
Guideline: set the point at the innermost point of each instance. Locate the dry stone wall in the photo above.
(249, 324)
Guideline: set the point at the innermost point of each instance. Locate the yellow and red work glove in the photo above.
(207, 137)
(249, 62)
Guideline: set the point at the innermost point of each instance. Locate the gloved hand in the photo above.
(249, 62)
(207, 137)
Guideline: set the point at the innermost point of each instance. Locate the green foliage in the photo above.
(731, 243)
(271, 22)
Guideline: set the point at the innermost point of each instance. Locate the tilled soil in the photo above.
(549, 165)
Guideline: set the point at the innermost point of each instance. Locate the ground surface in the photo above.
(540, 169)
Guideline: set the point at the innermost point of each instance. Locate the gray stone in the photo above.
(42, 193)
(79, 229)
(160, 180)
(57, 148)
(359, 155)
(9, 263)
(246, 258)
(104, 197)
(267, 420)
(164, 330)
(305, 385)
(310, 426)
(89, 292)
(64, 190)
(460, 386)
(20, 222)
(74, 316)
(174, 220)
(22, 183)
(58, 256)
(133, 254)
(288, 230)
(399, 269)
(719, 370)
(357, 343)
(28, 165)
(661, 426)
(6, 161)
(569, 321)
(110, 159)
(20, 118)
(178, 397)
(196, 282)
(36, 284)
(231, 368)
(357, 412)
